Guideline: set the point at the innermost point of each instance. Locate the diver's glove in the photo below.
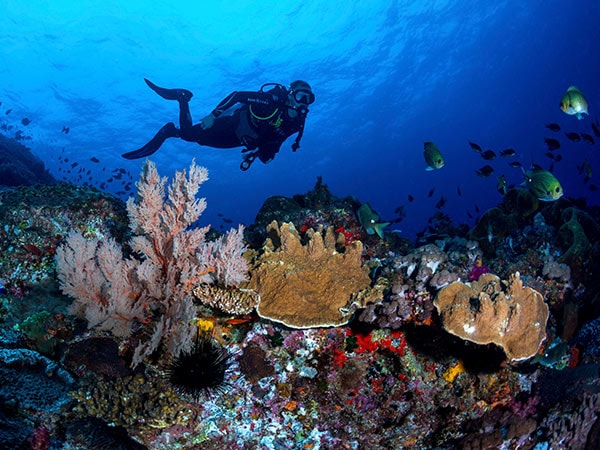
(248, 159)
(207, 122)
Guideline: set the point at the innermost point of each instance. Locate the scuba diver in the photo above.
(260, 121)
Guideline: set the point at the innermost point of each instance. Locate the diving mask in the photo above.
(303, 96)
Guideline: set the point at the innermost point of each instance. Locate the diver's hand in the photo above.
(207, 122)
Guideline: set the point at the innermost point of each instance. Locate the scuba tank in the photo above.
(273, 86)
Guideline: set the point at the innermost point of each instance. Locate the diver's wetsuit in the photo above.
(262, 122)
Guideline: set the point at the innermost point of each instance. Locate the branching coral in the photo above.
(482, 312)
(305, 286)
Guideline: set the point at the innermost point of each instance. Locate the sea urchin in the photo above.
(200, 372)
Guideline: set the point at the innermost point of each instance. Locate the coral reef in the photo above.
(33, 391)
(18, 166)
(36, 382)
(557, 271)
(577, 232)
(392, 377)
(310, 285)
(422, 263)
(517, 208)
(96, 356)
(35, 221)
(482, 312)
(231, 299)
(130, 401)
(579, 428)
(317, 207)
(477, 270)
(91, 432)
(415, 277)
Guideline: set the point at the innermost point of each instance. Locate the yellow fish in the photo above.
(543, 185)
(433, 157)
(574, 103)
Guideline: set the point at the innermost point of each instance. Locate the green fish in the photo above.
(543, 185)
(574, 103)
(557, 355)
(370, 220)
(433, 157)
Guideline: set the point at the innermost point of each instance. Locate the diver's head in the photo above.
(301, 93)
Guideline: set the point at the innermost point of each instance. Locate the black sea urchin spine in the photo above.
(199, 373)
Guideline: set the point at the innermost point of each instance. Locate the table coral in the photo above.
(311, 285)
(482, 312)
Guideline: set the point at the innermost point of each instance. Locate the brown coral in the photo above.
(232, 300)
(306, 286)
(482, 312)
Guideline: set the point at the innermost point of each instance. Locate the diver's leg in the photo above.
(220, 135)
(170, 94)
(167, 131)
(183, 97)
(185, 117)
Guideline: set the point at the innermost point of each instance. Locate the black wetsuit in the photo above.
(262, 122)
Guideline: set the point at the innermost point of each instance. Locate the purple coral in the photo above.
(478, 269)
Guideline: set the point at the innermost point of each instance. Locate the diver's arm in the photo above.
(228, 102)
(245, 97)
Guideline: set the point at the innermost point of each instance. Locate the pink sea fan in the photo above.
(172, 257)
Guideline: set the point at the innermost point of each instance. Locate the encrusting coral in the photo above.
(311, 285)
(482, 312)
(172, 257)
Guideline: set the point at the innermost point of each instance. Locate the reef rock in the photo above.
(422, 263)
(311, 285)
(484, 313)
(18, 166)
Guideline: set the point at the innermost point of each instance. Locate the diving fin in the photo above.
(170, 94)
(167, 131)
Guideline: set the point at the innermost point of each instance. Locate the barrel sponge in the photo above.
(492, 311)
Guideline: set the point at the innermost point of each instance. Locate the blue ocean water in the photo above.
(388, 76)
